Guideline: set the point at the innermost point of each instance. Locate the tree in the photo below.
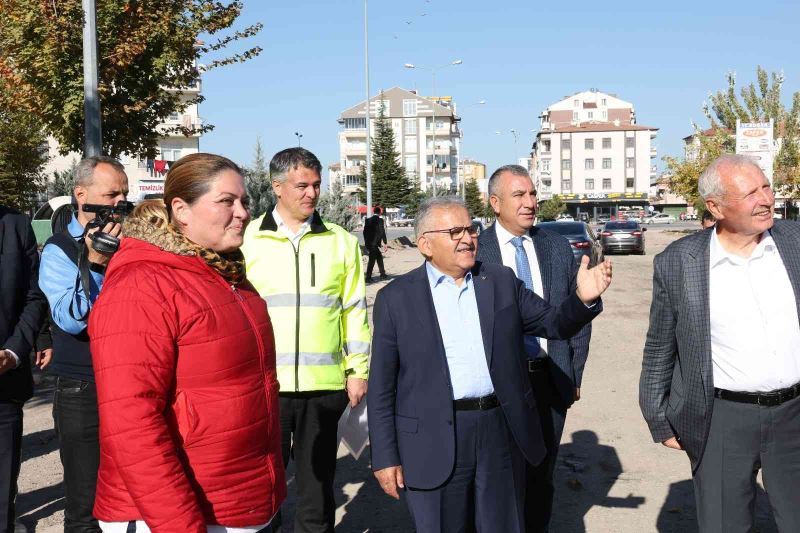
(415, 199)
(23, 153)
(148, 51)
(550, 209)
(390, 187)
(63, 181)
(258, 183)
(684, 173)
(472, 197)
(335, 207)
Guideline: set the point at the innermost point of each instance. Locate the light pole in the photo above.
(93, 141)
(366, 81)
(515, 134)
(433, 120)
(461, 178)
(299, 136)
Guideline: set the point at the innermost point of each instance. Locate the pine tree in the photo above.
(390, 187)
(63, 181)
(472, 197)
(258, 183)
(335, 207)
(415, 199)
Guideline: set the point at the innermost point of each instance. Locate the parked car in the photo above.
(403, 222)
(565, 217)
(659, 218)
(622, 236)
(581, 238)
(56, 212)
(602, 219)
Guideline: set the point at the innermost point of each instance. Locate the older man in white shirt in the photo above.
(721, 370)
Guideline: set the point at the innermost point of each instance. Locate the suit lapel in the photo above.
(790, 255)
(544, 260)
(484, 296)
(425, 311)
(696, 277)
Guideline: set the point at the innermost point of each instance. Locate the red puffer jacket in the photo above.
(188, 395)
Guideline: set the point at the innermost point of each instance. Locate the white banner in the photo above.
(755, 140)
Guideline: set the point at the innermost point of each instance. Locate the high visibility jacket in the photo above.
(316, 298)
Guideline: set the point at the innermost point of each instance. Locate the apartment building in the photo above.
(412, 119)
(146, 176)
(590, 152)
(472, 170)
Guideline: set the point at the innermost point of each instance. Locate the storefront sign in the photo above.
(754, 140)
(610, 196)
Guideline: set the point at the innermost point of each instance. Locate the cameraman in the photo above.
(98, 180)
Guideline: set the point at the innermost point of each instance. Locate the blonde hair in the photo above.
(153, 212)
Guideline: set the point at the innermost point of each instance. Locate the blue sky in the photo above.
(518, 56)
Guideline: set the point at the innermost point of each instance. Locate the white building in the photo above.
(411, 117)
(591, 153)
(146, 176)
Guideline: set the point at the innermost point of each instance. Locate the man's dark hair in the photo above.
(377, 210)
(708, 216)
(291, 159)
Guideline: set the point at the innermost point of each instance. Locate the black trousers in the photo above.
(539, 487)
(309, 424)
(76, 424)
(10, 447)
(375, 255)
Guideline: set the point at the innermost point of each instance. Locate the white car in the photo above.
(660, 218)
(565, 218)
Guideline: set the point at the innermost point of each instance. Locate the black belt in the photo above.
(769, 399)
(476, 404)
(537, 365)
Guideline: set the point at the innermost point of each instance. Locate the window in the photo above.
(629, 142)
(606, 163)
(605, 114)
(355, 123)
(629, 183)
(410, 143)
(566, 185)
(566, 164)
(630, 162)
(590, 115)
(174, 117)
(410, 126)
(545, 165)
(577, 103)
(575, 116)
(606, 184)
(546, 146)
(588, 164)
(168, 154)
(409, 108)
(606, 142)
(588, 144)
(566, 144)
(589, 184)
(603, 101)
(410, 162)
(351, 179)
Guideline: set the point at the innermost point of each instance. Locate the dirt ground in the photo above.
(611, 477)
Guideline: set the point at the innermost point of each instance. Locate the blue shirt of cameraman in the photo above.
(58, 279)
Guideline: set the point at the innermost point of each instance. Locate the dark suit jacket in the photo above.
(410, 397)
(374, 231)
(676, 389)
(23, 307)
(559, 270)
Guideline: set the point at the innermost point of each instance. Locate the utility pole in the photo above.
(93, 127)
(366, 80)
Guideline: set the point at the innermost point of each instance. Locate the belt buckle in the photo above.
(480, 403)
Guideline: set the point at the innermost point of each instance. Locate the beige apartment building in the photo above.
(472, 170)
(412, 118)
(590, 152)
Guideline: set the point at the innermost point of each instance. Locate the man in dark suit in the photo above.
(374, 236)
(543, 261)
(721, 370)
(23, 309)
(452, 415)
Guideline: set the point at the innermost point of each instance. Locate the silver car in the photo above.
(622, 236)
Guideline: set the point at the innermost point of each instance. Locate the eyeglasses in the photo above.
(457, 232)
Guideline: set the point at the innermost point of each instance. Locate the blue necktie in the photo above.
(524, 274)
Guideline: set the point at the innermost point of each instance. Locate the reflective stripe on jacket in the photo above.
(316, 298)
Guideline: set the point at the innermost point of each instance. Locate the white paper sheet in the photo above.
(353, 429)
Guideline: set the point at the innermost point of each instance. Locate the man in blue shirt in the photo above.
(451, 411)
(99, 180)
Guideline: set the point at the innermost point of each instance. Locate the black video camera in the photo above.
(103, 242)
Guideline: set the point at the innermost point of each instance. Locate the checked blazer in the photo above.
(676, 389)
(558, 269)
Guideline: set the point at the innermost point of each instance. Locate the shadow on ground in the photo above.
(38, 504)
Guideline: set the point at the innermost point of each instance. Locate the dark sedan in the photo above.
(623, 236)
(581, 238)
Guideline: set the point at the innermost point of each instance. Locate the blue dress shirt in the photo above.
(60, 282)
(459, 324)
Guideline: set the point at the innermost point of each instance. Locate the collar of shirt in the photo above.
(504, 236)
(285, 229)
(75, 228)
(436, 277)
(718, 254)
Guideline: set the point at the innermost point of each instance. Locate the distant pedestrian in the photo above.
(184, 360)
(23, 310)
(708, 220)
(721, 371)
(309, 271)
(374, 237)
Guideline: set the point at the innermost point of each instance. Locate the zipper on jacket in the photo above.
(259, 342)
(297, 317)
(313, 271)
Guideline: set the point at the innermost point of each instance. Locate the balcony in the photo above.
(653, 152)
(354, 149)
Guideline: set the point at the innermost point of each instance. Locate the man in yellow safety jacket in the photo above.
(309, 272)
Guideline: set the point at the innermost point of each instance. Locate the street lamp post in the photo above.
(93, 141)
(515, 134)
(461, 178)
(366, 81)
(433, 119)
(299, 136)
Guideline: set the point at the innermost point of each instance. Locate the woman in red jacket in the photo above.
(184, 359)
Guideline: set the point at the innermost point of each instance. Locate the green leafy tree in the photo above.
(148, 51)
(258, 183)
(684, 172)
(335, 207)
(63, 181)
(390, 186)
(415, 199)
(473, 199)
(23, 154)
(550, 209)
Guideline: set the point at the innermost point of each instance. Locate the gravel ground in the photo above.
(610, 477)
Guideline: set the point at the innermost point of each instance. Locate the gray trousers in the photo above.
(743, 439)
